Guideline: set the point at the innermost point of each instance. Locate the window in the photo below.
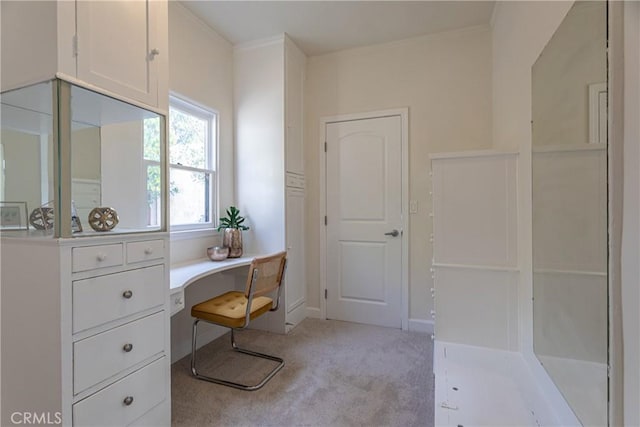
(192, 160)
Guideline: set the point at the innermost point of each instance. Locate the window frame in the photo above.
(212, 117)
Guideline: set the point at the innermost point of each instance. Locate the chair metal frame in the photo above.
(234, 346)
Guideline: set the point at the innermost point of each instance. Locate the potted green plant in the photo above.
(233, 225)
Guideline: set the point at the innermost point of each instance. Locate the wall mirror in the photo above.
(569, 185)
(116, 150)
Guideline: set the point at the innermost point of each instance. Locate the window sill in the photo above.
(194, 234)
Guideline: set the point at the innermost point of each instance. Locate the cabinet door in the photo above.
(117, 47)
(294, 85)
(295, 283)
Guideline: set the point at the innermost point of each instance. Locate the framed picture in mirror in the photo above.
(13, 216)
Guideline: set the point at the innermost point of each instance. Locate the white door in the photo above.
(364, 221)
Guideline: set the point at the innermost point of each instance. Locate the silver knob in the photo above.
(127, 347)
(128, 400)
(394, 233)
(127, 294)
(153, 53)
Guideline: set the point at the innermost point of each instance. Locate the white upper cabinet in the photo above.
(119, 48)
(116, 46)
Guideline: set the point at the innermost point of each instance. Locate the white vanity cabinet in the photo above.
(86, 334)
(117, 46)
(85, 297)
(268, 89)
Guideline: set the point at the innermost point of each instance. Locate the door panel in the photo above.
(114, 47)
(361, 177)
(364, 187)
(362, 271)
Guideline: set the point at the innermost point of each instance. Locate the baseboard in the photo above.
(314, 312)
(421, 325)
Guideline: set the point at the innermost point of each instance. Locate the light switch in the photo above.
(413, 206)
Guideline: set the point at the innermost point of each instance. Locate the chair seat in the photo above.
(229, 309)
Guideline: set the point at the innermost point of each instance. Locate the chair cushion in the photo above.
(229, 309)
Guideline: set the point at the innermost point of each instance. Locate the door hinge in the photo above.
(325, 146)
(74, 43)
(325, 294)
(325, 220)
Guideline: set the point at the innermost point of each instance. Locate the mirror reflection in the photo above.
(569, 184)
(26, 146)
(115, 156)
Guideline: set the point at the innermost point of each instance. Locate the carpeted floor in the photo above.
(336, 374)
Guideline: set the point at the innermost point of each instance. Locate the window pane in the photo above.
(154, 188)
(152, 139)
(187, 139)
(190, 197)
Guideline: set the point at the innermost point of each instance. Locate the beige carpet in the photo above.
(336, 374)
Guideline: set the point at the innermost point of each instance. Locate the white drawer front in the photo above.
(101, 356)
(145, 251)
(294, 181)
(176, 301)
(105, 298)
(92, 257)
(146, 388)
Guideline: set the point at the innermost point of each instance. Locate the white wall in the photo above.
(259, 119)
(123, 176)
(22, 184)
(201, 69)
(445, 80)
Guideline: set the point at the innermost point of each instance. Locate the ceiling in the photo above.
(320, 27)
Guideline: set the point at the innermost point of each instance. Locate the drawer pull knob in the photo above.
(127, 347)
(128, 400)
(127, 294)
(101, 257)
(148, 251)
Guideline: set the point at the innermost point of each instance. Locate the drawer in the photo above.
(176, 301)
(92, 257)
(145, 251)
(143, 390)
(103, 355)
(294, 180)
(102, 299)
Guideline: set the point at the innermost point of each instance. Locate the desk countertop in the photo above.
(183, 274)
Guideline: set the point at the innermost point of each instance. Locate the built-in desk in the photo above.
(184, 274)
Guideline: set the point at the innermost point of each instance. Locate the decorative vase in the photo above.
(233, 240)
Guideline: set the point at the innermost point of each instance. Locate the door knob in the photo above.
(394, 233)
